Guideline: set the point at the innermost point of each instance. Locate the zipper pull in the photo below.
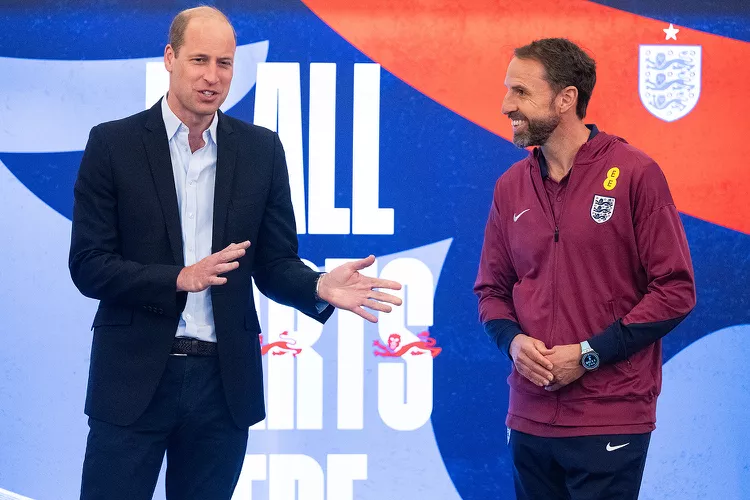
(557, 234)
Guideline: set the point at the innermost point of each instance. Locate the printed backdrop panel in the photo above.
(389, 112)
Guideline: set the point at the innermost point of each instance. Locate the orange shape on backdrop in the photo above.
(456, 53)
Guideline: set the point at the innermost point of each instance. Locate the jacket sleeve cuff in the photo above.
(502, 332)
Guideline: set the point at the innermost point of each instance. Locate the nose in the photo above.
(509, 105)
(211, 74)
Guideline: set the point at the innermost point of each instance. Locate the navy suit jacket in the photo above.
(126, 251)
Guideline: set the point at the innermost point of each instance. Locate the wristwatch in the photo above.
(589, 357)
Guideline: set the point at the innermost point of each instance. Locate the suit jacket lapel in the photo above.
(157, 149)
(226, 159)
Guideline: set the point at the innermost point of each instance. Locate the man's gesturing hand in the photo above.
(346, 288)
(205, 272)
(529, 359)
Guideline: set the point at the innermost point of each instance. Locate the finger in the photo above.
(553, 387)
(363, 263)
(225, 268)
(539, 363)
(386, 297)
(535, 367)
(535, 371)
(216, 281)
(230, 255)
(361, 312)
(377, 306)
(380, 283)
(531, 376)
(243, 244)
(541, 348)
(381, 296)
(538, 357)
(232, 247)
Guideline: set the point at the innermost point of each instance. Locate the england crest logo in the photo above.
(669, 79)
(602, 208)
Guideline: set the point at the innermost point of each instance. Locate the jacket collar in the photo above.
(543, 161)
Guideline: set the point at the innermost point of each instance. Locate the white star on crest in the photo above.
(671, 32)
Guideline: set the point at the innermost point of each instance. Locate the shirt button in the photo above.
(192, 183)
(559, 198)
(188, 317)
(190, 214)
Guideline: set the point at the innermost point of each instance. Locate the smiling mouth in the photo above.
(208, 93)
(517, 123)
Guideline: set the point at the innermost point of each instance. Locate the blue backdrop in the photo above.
(436, 171)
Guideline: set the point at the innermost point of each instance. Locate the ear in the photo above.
(169, 56)
(567, 99)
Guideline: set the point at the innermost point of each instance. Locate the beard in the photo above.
(537, 131)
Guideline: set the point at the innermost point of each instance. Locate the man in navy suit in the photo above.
(176, 208)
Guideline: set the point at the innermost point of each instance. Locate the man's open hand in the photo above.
(346, 288)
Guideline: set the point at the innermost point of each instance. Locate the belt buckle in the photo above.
(180, 354)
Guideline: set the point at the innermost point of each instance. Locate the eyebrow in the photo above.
(206, 56)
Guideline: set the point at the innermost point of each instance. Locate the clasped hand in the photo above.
(549, 368)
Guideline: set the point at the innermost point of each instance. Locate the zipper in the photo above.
(556, 239)
(554, 314)
(542, 192)
(554, 271)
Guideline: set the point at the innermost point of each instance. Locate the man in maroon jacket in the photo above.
(584, 268)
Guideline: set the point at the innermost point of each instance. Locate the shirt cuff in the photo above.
(609, 344)
(502, 332)
(321, 305)
(619, 341)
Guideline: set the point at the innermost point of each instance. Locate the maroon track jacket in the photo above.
(614, 270)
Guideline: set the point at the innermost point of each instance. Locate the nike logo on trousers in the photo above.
(613, 448)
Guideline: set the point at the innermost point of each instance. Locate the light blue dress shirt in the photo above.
(194, 179)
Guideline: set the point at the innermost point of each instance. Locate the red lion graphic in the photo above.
(392, 350)
(281, 347)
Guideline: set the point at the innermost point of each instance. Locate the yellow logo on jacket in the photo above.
(611, 181)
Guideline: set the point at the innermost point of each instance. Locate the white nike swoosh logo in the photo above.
(516, 217)
(613, 448)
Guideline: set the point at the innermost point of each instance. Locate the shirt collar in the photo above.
(172, 123)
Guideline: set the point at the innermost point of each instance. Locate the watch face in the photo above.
(591, 361)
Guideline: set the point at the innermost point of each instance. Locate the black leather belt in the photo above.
(185, 346)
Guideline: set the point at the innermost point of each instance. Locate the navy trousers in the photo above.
(606, 467)
(188, 419)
